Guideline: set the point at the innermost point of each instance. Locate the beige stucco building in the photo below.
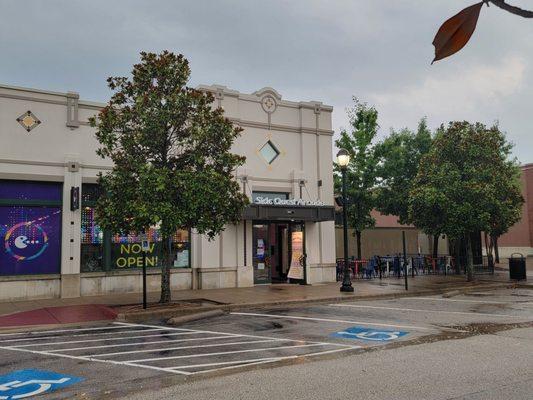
(50, 248)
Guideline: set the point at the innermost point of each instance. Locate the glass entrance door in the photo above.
(261, 253)
(278, 252)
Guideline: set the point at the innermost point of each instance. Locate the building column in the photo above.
(70, 233)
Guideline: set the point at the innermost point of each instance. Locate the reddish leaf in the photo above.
(455, 33)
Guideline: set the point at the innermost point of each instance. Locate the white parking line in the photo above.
(111, 339)
(471, 313)
(256, 361)
(234, 334)
(81, 334)
(186, 347)
(252, 360)
(466, 301)
(224, 352)
(45, 353)
(138, 343)
(342, 321)
(61, 331)
(44, 348)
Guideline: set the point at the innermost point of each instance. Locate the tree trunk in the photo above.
(469, 259)
(358, 236)
(496, 251)
(166, 294)
(435, 246)
(488, 247)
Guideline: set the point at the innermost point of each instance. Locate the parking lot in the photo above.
(150, 354)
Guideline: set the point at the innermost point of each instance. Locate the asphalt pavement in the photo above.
(412, 347)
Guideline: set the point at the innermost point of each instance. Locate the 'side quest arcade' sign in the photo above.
(280, 209)
(287, 202)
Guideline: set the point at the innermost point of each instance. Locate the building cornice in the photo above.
(73, 103)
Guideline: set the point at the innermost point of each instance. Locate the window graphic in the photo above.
(31, 239)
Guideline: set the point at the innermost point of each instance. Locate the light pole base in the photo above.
(347, 288)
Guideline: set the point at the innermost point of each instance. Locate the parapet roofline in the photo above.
(255, 96)
(258, 94)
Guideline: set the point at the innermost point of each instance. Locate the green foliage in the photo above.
(361, 172)
(171, 153)
(466, 183)
(398, 157)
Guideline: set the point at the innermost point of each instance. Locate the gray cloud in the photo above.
(378, 50)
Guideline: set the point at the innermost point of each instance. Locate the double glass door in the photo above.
(278, 252)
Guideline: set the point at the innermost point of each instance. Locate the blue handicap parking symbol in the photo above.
(31, 382)
(362, 333)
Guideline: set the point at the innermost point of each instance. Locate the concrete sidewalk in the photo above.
(128, 306)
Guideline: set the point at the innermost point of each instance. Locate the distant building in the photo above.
(519, 239)
(386, 238)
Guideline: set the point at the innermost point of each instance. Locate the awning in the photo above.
(287, 213)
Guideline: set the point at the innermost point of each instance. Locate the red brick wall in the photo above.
(521, 234)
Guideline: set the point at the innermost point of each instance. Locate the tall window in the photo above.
(92, 237)
(30, 227)
(102, 250)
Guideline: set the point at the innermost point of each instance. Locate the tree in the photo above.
(171, 153)
(361, 172)
(455, 33)
(398, 157)
(459, 189)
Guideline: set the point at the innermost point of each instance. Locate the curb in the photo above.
(195, 317)
(142, 316)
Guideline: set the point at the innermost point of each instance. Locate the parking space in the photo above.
(379, 322)
(172, 350)
(150, 354)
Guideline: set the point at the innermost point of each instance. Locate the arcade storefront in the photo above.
(279, 252)
(31, 228)
(50, 248)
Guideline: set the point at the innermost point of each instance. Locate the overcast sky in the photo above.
(326, 50)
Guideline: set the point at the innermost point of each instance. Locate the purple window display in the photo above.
(27, 190)
(30, 240)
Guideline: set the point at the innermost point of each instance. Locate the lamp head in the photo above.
(343, 158)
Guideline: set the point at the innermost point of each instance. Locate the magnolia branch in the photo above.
(512, 9)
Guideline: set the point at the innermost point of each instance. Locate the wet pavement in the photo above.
(121, 358)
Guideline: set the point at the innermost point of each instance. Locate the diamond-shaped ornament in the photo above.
(28, 121)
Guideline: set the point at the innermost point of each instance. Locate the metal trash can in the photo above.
(517, 267)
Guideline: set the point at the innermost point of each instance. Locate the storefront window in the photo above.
(92, 240)
(30, 227)
(103, 251)
(126, 250)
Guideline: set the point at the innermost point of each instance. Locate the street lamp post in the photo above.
(343, 159)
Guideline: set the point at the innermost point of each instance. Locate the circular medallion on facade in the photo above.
(269, 104)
